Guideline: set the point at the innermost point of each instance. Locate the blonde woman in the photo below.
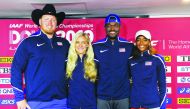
(81, 72)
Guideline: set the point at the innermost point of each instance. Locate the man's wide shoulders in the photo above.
(100, 42)
(61, 39)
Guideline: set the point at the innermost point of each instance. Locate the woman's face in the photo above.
(142, 43)
(81, 45)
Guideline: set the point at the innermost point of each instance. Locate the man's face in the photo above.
(112, 29)
(48, 24)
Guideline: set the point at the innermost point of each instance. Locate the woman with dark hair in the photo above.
(148, 74)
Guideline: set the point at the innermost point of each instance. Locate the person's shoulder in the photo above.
(101, 41)
(28, 39)
(125, 42)
(159, 57)
(61, 39)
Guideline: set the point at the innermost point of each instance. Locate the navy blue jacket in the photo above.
(149, 81)
(81, 91)
(113, 75)
(42, 60)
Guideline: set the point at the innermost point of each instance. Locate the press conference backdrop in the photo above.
(171, 37)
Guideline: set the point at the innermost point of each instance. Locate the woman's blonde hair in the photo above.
(89, 64)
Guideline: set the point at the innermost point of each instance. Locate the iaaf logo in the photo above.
(168, 69)
(5, 81)
(183, 79)
(6, 91)
(15, 25)
(168, 90)
(183, 90)
(183, 58)
(183, 69)
(7, 101)
(168, 80)
(5, 70)
(15, 37)
(154, 42)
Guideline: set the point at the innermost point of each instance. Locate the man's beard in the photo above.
(112, 38)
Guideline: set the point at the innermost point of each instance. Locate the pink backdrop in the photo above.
(170, 38)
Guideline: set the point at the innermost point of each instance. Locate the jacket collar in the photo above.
(146, 53)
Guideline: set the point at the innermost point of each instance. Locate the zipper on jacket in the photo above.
(112, 43)
(51, 43)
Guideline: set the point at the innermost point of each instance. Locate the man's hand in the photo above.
(22, 105)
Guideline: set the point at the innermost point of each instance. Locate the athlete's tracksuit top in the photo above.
(113, 76)
(42, 60)
(81, 91)
(149, 81)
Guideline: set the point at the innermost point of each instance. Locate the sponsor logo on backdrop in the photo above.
(6, 60)
(183, 90)
(183, 69)
(168, 80)
(168, 100)
(168, 90)
(183, 79)
(81, 26)
(16, 37)
(5, 81)
(182, 108)
(167, 58)
(5, 70)
(183, 58)
(69, 35)
(6, 91)
(154, 42)
(179, 44)
(7, 101)
(168, 69)
(183, 100)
